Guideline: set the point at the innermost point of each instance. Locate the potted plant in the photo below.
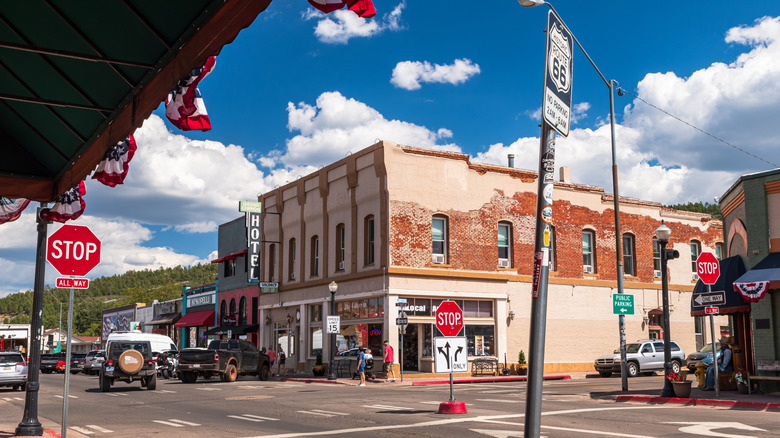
(681, 386)
(741, 377)
(319, 369)
(522, 366)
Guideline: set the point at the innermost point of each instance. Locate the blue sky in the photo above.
(299, 89)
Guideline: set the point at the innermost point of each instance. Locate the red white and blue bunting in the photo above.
(752, 292)
(11, 209)
(113, 169)
(69, 206)
(363, 8)
(184, 106)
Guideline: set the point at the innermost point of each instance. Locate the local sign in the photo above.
(622, 304)
(558, 76)
(73, 250)
(708, 268)
(449, 318)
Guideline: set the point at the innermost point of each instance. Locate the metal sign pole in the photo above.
(401, 351)
(714, 357)
(64, 430)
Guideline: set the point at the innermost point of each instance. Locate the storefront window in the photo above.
(375, 339)
(355, 312)
(470, 309)
(363, 305)
(485, 309)
(366, 308)
(316, 340)
(427, 333)
(315, 313)
(480, 340)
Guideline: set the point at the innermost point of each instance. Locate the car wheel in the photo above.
(151, 382)
(23, 387)
(189, 377)
(265, 372)
(16, 387)
(231, 373)
(632, 369)
(605, 373)
(105, 383)
(676, 367)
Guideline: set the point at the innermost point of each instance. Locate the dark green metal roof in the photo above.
(78, 76)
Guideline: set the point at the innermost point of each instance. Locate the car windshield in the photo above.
(632, 348)
(118, 349)
(12, 358)
(708, 348)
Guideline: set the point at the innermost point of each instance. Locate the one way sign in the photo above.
(450, 354)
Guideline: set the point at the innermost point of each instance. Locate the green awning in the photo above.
(78, 76)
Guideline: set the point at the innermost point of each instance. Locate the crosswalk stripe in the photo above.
(209, 389)
(262, 418)
(82, 430)
(168, 423)
(186, 423)
(241, 417)
(328, 412)
(69, 396)
(98, 428)
(323, 414)
(164, 391)
(392, 408)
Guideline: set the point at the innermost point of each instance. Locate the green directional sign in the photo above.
(622, 304)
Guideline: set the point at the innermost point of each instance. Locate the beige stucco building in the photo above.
(392, 223)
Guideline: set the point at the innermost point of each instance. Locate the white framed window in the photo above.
(439, 239)
(588, 251)
(695, 252)
(629, 259)
(719, 251)
(505, 244)
(656, 258)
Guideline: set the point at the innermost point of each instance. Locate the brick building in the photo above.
(395, 222)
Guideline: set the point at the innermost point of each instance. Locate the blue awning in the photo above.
(730, 270)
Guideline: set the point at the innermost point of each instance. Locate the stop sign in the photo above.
(73, 250)
(708, 268)
(449, 318)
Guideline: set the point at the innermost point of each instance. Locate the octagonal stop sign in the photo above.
(73, 250)
(449, 318)
(708, 268)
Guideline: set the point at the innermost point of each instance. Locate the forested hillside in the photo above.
(699, 207)
(105, 293)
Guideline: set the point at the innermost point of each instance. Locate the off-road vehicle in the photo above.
(128, 361)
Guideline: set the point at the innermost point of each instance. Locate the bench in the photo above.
(764, 365)
(343, 366)
(480, 366)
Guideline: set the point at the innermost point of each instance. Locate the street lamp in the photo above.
(332, 287)
(662, 234)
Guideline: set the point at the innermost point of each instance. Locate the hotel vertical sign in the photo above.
(253, 211)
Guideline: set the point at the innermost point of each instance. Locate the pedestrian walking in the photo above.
(281, 369)
(389, 362)
(361, 366)
(271, 358)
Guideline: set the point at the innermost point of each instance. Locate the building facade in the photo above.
(394, 224)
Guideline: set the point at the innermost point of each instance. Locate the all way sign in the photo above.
(72, 283)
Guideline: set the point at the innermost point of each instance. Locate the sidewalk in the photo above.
(728, 399)
(51, 429)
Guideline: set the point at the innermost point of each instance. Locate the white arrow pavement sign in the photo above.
(706, 429)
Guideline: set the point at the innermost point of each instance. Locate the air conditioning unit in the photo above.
(503, 263)
(656, 274)
(695, 277)
(587, 269)
(438, 259)
(341, 265)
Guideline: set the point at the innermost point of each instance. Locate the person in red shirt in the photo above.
(389, 362)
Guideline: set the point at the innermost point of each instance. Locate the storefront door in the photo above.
(285, 341)
(410, 345)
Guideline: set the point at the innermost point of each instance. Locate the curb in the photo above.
(311, 380)
(700, 402)
(497, 379)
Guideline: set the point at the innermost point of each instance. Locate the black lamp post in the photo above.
(332, 287)
(662, 233)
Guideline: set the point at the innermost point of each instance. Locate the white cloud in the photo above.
(409, 74)
(661, 159)
(346, 25)
(336, 126)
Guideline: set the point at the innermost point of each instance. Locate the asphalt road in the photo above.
(249, 407)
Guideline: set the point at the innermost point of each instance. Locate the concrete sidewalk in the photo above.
(727, 399)
(12, 416)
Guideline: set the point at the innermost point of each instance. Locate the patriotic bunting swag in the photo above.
(113, 169)
(69, 206)
(752, 292)
(11, 209)
(184, 106)
(363, 8)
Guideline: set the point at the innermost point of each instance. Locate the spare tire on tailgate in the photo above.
(131, 361)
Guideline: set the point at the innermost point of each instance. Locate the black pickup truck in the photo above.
(226, 358)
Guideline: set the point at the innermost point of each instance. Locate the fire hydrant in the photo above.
(701, 373)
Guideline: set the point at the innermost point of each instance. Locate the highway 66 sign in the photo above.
(558, 76)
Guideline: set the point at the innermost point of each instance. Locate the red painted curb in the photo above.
(699, 402)
(497, 379)
(52, 433)
(452, 408)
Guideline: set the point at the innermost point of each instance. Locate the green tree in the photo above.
(699, 207)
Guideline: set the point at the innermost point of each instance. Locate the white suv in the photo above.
(644, 356)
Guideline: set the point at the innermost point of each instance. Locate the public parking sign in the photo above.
(449, 318)
(73, 250)
(622, 304)
(558, 76)
(708, 268)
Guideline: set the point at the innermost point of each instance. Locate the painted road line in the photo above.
(165, 391)
(82, 430)
(208, 388)
(262, 418)
(13, 398)
(99, 429)
(389, 408)
(241, 417)
(498, 391)
(168, 423)
(323, 413)
(186, 423)
(62, 397)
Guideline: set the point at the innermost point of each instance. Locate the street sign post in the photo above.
(708, 268)
(622, 304)
(450, 355)
(449, 318)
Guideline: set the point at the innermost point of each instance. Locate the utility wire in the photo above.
(621, 91)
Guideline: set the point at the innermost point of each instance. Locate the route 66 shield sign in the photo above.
(558, 76)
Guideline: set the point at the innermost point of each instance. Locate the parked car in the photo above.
(704, 354)
(94, 361)
(646, 356)
(52, 363)
(77, 362)
(128, 361)
(225, 358)
(13, 370)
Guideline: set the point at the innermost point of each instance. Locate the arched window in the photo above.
(242, 311)
(233, 307)
(222, 311)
